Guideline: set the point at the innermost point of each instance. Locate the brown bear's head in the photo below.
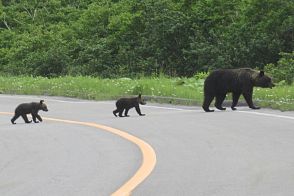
(141, 100)
(43, 106)
(262, 80)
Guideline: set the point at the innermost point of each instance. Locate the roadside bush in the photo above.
(284, 69)
(201, 75)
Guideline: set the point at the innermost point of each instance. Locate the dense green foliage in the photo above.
(128, 37)
(283, 72)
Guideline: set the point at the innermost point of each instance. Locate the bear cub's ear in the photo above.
(139, 95)
(261, 73)
(41, 101)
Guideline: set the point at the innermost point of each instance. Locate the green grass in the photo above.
(279, 97)
(189, 90)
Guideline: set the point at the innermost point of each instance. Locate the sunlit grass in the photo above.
(280, 97)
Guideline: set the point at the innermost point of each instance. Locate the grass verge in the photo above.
(160, 89)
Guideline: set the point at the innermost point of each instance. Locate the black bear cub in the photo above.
(29, 108)
(237, 81)
(128, 103)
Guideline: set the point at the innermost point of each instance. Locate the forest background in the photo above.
(129, 40)
(110, 38)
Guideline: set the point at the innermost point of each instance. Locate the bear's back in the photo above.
(228, 80)
(126, 102)
(26, 108)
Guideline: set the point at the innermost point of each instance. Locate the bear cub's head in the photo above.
(264, 81)
(141, 100)
(43, 106)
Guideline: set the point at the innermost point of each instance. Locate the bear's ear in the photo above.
(41, 101)
(261, 73)
(139, 95)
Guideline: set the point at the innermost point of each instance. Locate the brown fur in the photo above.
(29, 108)
(237, 81)
(125, 104)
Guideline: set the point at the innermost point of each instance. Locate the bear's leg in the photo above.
(126, 112)
(219, 101)
(138, 110)
(39, 117)
(207, 100)
(236, 97)
(25, 118)
(14, 118)
(120, 112)
(34, 118)
(115, 112)
(248, 98)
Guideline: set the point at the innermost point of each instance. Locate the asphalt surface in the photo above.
(225, 153)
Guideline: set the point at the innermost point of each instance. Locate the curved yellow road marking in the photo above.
(148, 154)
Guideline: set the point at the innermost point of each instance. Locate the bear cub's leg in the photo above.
(121, 110)
(126, 112)
(115, 112)
(139, 111)
(14, 118)
(25, 118)
(35, 117)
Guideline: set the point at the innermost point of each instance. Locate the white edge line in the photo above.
(266, 114)
(48, 99)
(171, 108)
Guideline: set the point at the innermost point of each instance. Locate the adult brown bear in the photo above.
(29, 108)
(125, 104)
(237, 81)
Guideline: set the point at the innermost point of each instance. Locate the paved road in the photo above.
(226, 153)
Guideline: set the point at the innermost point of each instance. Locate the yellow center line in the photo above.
(148, 154)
